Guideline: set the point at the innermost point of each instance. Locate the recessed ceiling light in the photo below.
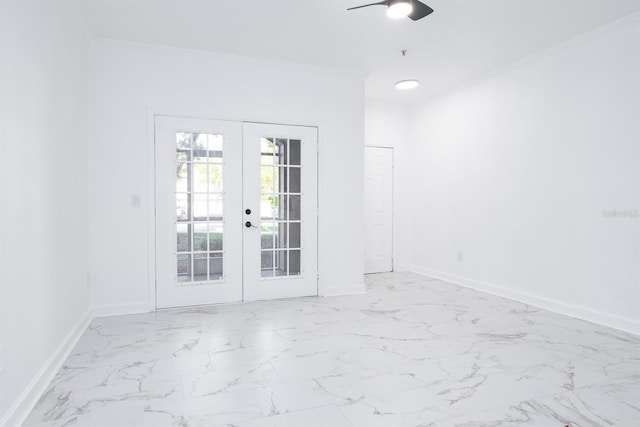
(399, 8)
(407, 84)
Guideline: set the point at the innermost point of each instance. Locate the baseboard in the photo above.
(601, 318)
(357, 289)
(120, 309)
(19, 411)
(402, 268)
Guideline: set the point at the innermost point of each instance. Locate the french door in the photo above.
(236, 211)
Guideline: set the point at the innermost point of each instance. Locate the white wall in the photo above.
(44, 299)
(516, 173)
(388, 125)
(130, 82)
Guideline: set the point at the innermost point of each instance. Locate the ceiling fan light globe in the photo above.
(399, 9)
(407, 84)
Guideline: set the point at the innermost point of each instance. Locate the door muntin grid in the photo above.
(280, 204)
(199, 200)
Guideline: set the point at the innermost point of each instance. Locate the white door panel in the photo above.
(378, 196)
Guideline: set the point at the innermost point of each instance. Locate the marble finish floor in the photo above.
(413, 351)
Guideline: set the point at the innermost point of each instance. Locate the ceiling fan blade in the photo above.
(385, 3)
(420, 10)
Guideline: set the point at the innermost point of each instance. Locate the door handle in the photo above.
(249, 225)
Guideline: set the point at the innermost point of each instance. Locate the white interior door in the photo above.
(236, 211)
(280, 191)
(378, 197)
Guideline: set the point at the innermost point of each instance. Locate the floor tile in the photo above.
(413, 351)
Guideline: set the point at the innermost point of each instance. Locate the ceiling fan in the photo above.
(414, 9)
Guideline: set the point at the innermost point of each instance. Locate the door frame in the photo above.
(393, 202)
(150, 191)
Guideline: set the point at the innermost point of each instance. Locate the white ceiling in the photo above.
(461, 40)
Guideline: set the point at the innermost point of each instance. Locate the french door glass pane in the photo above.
(294, 263)
(294, 207)
(280, 263)
(200, 178)
(215, 178)
(269, 205)
(184, 268)
(182, 183)
(294, 152)
(215, 208)
(214, 145)
(267, 179)
(294, 235)
(266, 263)
(182, 207)
(294, 180)
(266, 235)
(183, 237)
(200, 236)
(266, 146)
(215, 266)
(199, 207)
(200, 267)
(215, 236)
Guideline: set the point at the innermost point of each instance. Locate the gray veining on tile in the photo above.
(413, 351)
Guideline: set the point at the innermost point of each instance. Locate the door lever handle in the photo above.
(249, 225)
